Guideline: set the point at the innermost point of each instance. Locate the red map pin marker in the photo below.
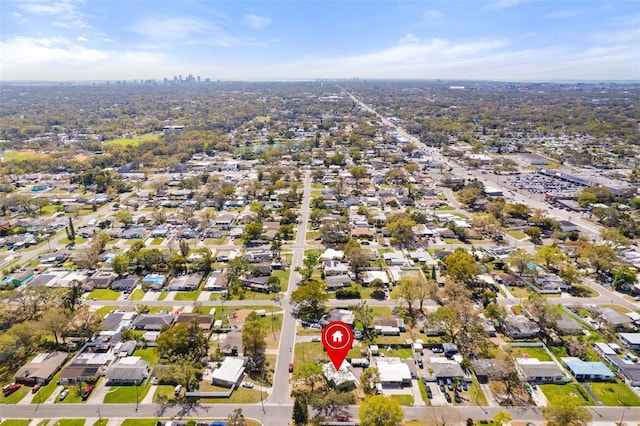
(337, 339)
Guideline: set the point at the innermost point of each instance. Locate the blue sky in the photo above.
(307, 39)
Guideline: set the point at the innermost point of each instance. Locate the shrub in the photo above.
(348, 293)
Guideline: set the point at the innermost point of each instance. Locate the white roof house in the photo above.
(343, 375)
(229, 372)
(370, 276)
(331, 254)
(393, 371)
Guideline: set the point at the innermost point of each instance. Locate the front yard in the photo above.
(615, 394)
(553, 392)
(103, 294)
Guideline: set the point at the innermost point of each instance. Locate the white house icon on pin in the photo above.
(337, 336)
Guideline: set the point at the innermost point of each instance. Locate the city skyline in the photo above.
(510, 40)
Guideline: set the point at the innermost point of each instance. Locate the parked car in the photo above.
(86, 392)
(420, 363)
(429, 393)
(464, 386)
(11, 388)
(63, 394)
(457, 398)
(290, 367)
(447, 397)
(177, 390)
(315, 339)
(342, 418)
(247, 385)
(36, 387)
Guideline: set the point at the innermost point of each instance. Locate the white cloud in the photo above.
(256, 22)
(503, 4)
(434, 14)
(43, 7)
(55, 58)
(174, 28)
(82, 38)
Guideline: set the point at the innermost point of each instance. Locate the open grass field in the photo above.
(15, 422)
(553, 392)
(103, 294)
(615, 394)
(403, 399)
(134, 141)
(22, 155)
(149, 354)
(127, 394)
(528, 352)
(187, 295)
(137, 294)
(239, 396)
(518, 235)
(139, 422)
(105, 310)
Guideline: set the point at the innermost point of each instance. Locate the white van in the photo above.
(177, 390)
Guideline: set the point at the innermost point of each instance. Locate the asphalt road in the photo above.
(280, 393)
(280, 414)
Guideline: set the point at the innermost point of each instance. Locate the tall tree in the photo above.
(254, 334)
(236, 418)
(300, 414)
(71, 232)
(380, 410)
(309, 300)
(461, 266)
(564, 411)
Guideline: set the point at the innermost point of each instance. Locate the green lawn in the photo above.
(309, 351)
(477, 394)
(72, 398)
(518, 235)
(22, 155)
(133, 141)
(15, 397)
(445, 208)
(139, 422)
(45, 392)
(70, 422)
(553, 392)
(127, 394)
(403, 399)
(103, 422)
(104, 310)
(187, 295)
(615, 394)
(163, 295)
(530, 352)
(520, 292)
(148, 354)
(283, 275)
(239, 396)
(15, 422)
(157, 241)
(103, 294)
(137, 294)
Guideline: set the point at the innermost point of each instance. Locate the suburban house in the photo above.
(128, 370)
(336, 282)
(102, 278)
(393, 372)
(127, 283)
(90, 363)
(389, 326)
(631, 339)
(444, 368)
(152, 322)
(229, 372)
(519, 327)
(534, 370)
(41, 368)
(588, 370)
(204, 321)
(260, 284)
(231, 343)
(484, 369)
(344, 315)
(341, 377)
(188, 282)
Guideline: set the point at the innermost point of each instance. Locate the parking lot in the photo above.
(534, 183)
